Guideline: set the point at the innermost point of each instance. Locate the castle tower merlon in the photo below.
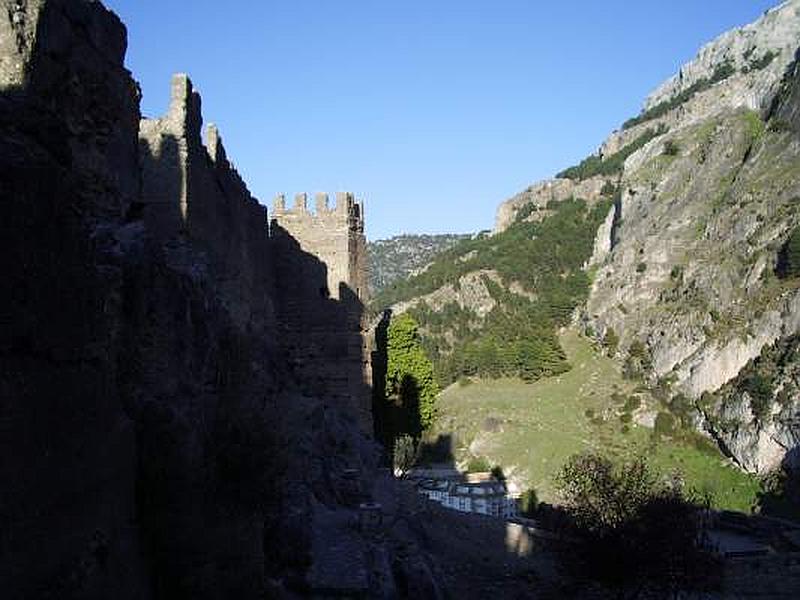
(321, 203)
(279, 204)
(185, 109)
(301, 202)
(214, 145)
(343, 202)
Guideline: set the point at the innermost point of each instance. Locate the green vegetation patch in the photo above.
(762, 62)
(610, 165)
(409, 375)
(721, 73)
(547, 422)
(518, 337)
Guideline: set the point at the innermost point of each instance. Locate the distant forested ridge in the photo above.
(403, 255)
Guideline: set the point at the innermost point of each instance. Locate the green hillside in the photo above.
(530, 430)
(541, 280)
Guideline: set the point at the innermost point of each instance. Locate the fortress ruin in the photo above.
(314, 262)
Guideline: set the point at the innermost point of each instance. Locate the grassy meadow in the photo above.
(531, 429)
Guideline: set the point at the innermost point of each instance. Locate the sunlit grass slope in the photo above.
(530, 429)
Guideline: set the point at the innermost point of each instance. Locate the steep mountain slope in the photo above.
(691, 278)
(702, 192)
(403, 255)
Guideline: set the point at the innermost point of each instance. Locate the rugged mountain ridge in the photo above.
(749, 63)
(703, 189)
(403, 255)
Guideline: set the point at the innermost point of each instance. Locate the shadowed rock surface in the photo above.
(157, 441)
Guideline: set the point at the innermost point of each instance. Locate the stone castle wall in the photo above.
(311, 266)
(323, 306)
(154, 373)
(334, 234)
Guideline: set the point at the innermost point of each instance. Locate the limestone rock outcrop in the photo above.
(701, 215)
(543, 193)
(686, 261)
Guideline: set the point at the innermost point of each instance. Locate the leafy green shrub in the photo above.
(626, 418)
(528, 503)
(671, 148)
(756, 64)
(478, 464)
(525, 211)
(638, 362)
(664, 425)
(589, 412)
(609, 189)
(641, 267)
(409, 373)
(759, 387)
(611, 341)
(632, 403)
(636, 534)
(682, 408)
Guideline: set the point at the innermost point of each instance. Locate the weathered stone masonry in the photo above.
(323, 312)
(316, 260)
(160, 349)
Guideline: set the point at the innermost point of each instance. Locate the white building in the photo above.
(485, 496)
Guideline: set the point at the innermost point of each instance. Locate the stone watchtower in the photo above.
(321, 262)
(335, 235)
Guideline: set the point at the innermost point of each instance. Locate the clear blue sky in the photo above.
(433, 111)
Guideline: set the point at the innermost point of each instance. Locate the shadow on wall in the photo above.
(438, 451)
(321, 336)
(780, 495)
(139, 342)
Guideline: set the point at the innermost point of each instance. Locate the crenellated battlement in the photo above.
(334, 233)
(346, 210)
(314, 248)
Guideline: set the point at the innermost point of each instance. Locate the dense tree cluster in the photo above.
(519, 336)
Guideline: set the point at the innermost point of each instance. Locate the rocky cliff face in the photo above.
(688, 266)
(749, 63)
(706, 182)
